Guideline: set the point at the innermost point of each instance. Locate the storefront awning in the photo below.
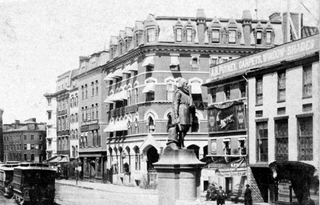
(109, 99)
(149, 61)
(118, 73)
(110, 76)
(132, 67)
(109, 128)
(122, 95)
(121, 125)
(174, 61)
(150, 87)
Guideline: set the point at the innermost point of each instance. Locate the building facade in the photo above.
(92, 147)
(145, 63)
(281, 116)
(24, 142)
(51, 125)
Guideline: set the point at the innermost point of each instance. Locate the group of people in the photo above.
(220, 195)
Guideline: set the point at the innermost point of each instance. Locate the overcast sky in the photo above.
(41, 39)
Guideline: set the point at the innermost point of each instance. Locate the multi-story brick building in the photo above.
(281, 99)
(145, 63)
(24, 141)
(51, 125)
(92, 147)
(1, 138)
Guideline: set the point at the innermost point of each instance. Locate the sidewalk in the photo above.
(136, 190)
(106, 187)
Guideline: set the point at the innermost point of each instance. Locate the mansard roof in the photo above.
(113, 40)
(138, 25)
(128, 32)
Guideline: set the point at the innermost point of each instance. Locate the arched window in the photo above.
(178, 31)
(151, 125)
(137, 161)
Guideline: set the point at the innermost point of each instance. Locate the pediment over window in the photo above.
(215, 23)
(259, 26)
(150, 21)
(232, 23)
(178, 23)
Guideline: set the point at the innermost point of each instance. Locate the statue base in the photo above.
(179, 173)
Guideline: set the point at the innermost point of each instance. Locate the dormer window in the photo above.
(151, 35)
(136, 39)
(215, 36)
(232, 37)
(179, 35)
(259, 37)
(189, 35)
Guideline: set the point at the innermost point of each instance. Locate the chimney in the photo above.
(294, 31)
(201, 25)
(247, 27)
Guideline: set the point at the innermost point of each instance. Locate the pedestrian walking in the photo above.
(220, 196)
(247, 196)
(211, 193)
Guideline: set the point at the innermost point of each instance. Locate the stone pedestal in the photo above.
(179, 173)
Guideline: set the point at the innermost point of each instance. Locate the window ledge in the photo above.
(306, 97)
(257, 105)
(281, 101)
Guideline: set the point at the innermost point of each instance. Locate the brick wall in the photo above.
(255, 192)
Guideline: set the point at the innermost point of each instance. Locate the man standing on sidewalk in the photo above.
(247, 196)
(220, 196)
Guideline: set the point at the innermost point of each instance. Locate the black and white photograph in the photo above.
(159, 102)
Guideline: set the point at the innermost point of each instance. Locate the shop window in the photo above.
(307, 81)
(305, 141)
(281, 86)
(242, 146)
(227, 91)
(226, 146)
(242, 89)
(215, 36)
(262, 141)
(232, 37)
(259, 38)
(281, 134)
(151, 32)
(179, 35)
(259, 91)
(213, 94)
(189, 35)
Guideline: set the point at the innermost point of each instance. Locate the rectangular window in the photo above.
(189, 35)
(170, 90)
(151, 35)
(213, 61)
(242, 89)
(227, 147)
(262, 141)
(281, 134)
(32, 137)
(232, 37)
(305, 141)
(195, 63)
(307, 81)
(25, 137)
(179, 35)
(268, 37)
(259, 37)
(227, 91)
(97, 88)
(215, 36)
(150, 96)
(281, 86)
(25, 157)
(92, 89)
(32, 146)
(32, 157)
(86, 90)
(40, 137)
(137, 161)
(136, 98)
(259, 91)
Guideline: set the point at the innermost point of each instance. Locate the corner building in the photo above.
(140, 78)
(282, 110)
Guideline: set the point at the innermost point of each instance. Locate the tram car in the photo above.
(6, 177)
(34, 184)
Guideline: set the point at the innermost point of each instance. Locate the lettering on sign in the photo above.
(275, 55)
